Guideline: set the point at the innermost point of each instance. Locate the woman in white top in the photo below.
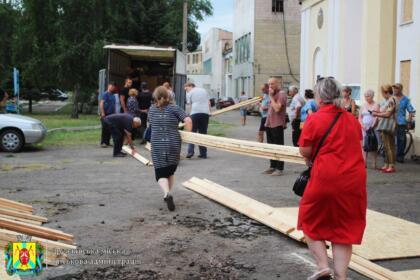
(368, 121)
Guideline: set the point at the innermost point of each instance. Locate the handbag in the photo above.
(387, 125)
(370, 142)
(303, 179)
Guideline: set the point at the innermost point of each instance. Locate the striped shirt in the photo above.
(165, 139)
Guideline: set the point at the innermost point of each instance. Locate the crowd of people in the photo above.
(333, 134)
(383, 124)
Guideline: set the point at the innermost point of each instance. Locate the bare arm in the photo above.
(276, 105)
(306, 152)
(123, 104)
(188, 124)
(353, 107)
(101, 106)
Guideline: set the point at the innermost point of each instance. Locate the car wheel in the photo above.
(11, 140)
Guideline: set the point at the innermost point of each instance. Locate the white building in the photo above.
(195, 62)
(228, 68)
(362, 43)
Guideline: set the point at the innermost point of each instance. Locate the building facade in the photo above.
(195, 62)
(266, 40)
(364, 44)
(228, 68)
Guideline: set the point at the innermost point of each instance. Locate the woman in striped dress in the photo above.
(166, 141)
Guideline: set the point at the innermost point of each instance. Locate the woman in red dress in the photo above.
(333, 207)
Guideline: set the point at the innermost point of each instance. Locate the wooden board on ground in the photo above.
(137, 156)
(409, 274)
(386, 237)
(15, 205)
(252, 208)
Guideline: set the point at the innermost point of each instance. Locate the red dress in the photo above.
(333, 207)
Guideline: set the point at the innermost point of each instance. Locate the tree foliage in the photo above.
(60, 42)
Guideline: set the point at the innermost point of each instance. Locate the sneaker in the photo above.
(269, 171)
(170, 202)
(277, 173)
(103, 145)
(189, 155)
(203, 157)
(120, 155)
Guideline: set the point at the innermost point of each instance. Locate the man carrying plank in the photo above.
(275, 123)
(119, 125)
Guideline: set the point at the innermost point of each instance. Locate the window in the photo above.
(407, 11)
(207, 66)
(188, 58)
(277, 6)
(405, 68)
(242, 49)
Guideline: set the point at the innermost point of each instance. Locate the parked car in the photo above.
(225, 102)
(54, 94)
(17, 130)
(253, 109)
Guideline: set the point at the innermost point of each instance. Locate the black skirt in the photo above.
(165, 172)
(262, 124)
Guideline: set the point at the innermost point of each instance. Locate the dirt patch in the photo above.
(59, 208)
(26, 167)
(112, 272)
(233, 227)
(219, 268)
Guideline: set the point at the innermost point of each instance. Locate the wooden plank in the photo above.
(250, 148)
(409, 274)
(15, 205)
(369, 269)
(22, 215)
(21, 220)
(388, 237)
(11, 236)
(137, 156)
(237, 106)
(238, 202)
(34, 230)
(14, 209)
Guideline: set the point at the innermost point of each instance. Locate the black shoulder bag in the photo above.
(303, 179)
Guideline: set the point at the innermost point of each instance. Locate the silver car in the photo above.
(17, 130)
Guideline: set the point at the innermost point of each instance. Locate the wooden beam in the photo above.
(15, 205)
(244, 147)
(18, 214)
(21, 220)
(34, 230)
(137, 156)
(237, 106)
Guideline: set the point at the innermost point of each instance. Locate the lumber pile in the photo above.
(137, 156)
(244, 147)
(18, 219)
(284, 220)
(238, 105)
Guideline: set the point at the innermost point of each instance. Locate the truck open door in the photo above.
(180, 78)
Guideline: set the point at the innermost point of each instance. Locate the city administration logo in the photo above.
(24, 257)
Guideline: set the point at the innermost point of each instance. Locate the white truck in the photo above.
(155, 66)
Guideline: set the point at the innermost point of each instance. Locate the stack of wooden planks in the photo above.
(237, 106)
(18, 219)
(245, 147)
(284, 220)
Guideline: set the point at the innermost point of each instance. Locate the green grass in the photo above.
(73, 138)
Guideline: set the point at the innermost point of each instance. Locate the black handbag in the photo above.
(370, 142)
(303, 179)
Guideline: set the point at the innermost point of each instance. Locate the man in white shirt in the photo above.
(294, 114)
(200, 112)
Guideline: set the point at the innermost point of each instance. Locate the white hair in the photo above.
(137, 120)
(294, 88)
(370, 92)
(329, 91)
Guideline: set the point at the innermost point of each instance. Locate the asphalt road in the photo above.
(115, 204)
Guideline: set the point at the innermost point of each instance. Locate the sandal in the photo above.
(323, 274)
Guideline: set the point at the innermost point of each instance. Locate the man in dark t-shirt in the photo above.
(120, 125)
(124, 94)
(134, 75)
(144, 99)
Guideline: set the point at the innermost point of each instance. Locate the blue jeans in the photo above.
(401, 141)
(200, 123)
